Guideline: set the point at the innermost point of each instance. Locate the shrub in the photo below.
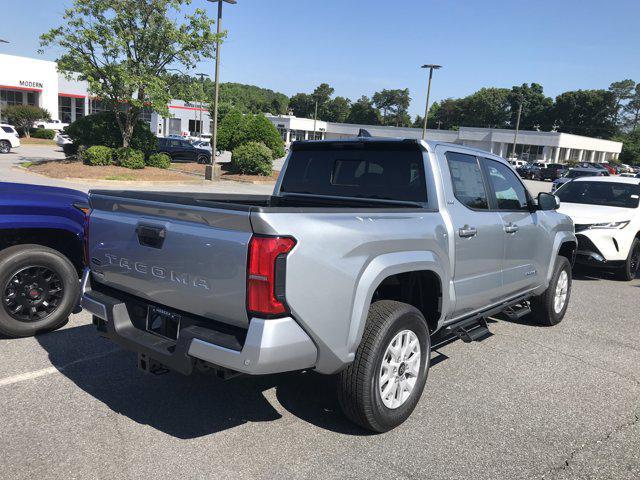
(23, 116)
(70, 149)
(43, 133)
(252, 158)
(102, 129)
(97, 155)
(128, 157)
(237, 129)
(159, 160)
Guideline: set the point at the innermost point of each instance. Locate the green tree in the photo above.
(447, 114)
(622, 91)
(259, 129)
(23, 116)
(394, 105)
(363, 112)
(536, 107)
(586, 112)
(337, 110)
(124, 49)
(630, 147)
(230, 130)
(488, 107)
(302, 105)
(633, 109)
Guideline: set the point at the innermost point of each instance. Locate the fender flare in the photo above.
(560, 238)
(376, 271)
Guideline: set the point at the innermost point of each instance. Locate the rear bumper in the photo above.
(271, 346)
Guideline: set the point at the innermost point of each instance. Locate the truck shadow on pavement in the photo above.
(189, 407)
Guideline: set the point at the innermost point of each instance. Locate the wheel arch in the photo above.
(398, 268)
(66, 242)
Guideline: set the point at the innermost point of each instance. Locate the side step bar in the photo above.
(475, 328)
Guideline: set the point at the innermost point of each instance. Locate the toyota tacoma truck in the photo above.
(366, 254)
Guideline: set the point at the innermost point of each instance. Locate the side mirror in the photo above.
(548, 201)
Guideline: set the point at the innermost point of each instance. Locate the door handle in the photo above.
(467, 231)
(511, 228)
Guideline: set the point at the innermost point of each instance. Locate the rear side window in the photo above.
(7, 129)
(386, 172)
(466, 177)
(509, 191)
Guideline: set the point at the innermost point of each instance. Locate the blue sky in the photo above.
(360, 46)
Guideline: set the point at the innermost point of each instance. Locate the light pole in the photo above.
(431, 68)
(214, 135)
(201, 75)
(515, 136)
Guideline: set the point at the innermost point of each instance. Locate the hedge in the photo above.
(129, 158)
(43, 133)
(97, 155)
(159, 160)
(252, 158)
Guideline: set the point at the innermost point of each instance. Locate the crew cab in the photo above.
(41, 234)
(9, 138)
(368, 253)
(606, 213)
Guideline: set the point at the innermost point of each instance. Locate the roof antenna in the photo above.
(364, 133)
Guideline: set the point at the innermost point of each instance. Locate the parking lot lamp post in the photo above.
(431, 68)
(201, 75)
(515, 136)
(214, 133)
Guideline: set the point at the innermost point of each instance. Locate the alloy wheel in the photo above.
(32, 294)
(399, 370)
(562, 289)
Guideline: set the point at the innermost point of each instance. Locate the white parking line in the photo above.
(23, 377)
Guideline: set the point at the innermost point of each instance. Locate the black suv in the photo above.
(553, 171)
(182, 151)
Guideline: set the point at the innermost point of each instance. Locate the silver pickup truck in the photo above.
(368, 252)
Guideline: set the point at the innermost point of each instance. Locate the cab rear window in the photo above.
(386, 172)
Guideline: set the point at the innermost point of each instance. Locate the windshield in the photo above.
(389, 172)
(607, 194)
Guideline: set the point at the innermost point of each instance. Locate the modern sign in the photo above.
(29, 84)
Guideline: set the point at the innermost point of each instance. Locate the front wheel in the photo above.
(203, 160)
(630, 268)
(383, 385)
(39, 288)
(549, 308)
(5, 146)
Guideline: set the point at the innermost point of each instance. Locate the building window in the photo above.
(97, 106)
(195, 127)
(283, 132)
(32, 99)
(79, 108)
(65, 109)
(145, 115)
(297, 135)
(10, 97)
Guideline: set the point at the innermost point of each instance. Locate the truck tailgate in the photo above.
(187, 257)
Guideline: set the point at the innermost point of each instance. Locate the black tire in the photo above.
(358, 385)
(542, 307)
(630, 268)
(21, 257)
(203, 160)
(5, 146)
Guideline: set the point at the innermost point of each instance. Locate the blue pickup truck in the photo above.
(41, 240)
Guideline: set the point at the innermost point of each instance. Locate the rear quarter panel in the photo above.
(339, 260)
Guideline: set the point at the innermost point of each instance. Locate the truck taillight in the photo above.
(266, 275)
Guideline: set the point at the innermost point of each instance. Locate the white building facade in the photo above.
(29, 81)
(552, 147)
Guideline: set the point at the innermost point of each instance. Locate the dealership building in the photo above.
(553, 147)
(30, 81)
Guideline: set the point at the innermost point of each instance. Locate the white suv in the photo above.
(9, 138)
(606, 214)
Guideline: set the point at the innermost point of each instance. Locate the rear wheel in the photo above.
(203, 159)
(5, 146)
(630, 268)
(383, 385)
(549, 308)
(39, 288)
